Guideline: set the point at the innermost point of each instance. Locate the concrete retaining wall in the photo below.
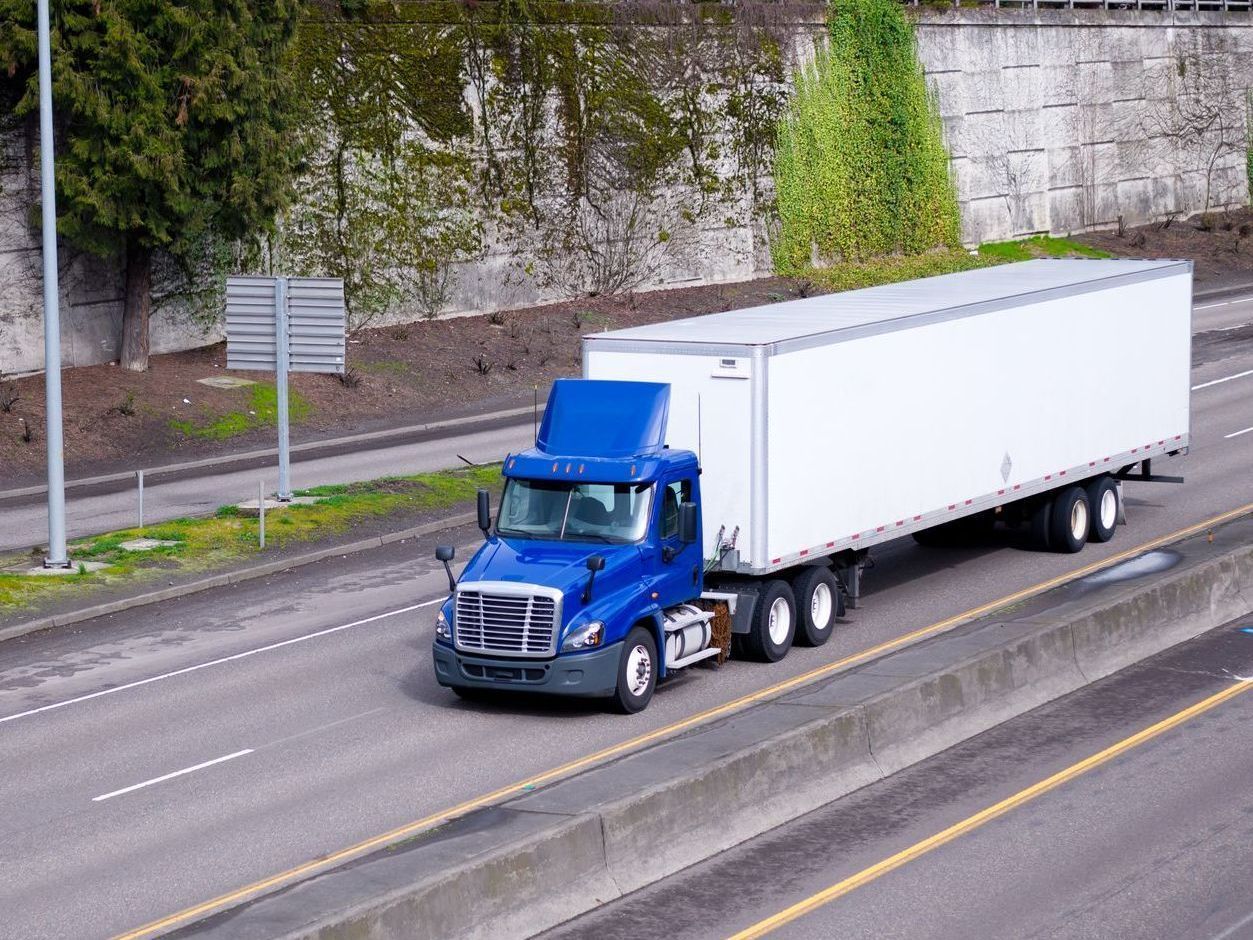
(519, 868)
(1062, 121)
(1058, 121)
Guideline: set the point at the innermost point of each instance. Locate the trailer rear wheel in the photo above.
(1103, 504)
(1042, 523)
(818, 603)
(774, 623)
(1070, 520)
(637, 673)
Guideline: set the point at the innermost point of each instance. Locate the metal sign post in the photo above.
(285, 325)
(57, 556)
(282, 362)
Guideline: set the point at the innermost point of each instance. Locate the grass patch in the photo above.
(262, 411)
(853, 275)
(1039, 246)
(226, 537)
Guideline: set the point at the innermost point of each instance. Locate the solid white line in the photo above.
(1235, 928)
(164, 777)
(218, 662)
(1208, 306)
(1238, 375)
(1238, 433)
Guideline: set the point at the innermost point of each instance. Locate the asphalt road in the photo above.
(101, 508)
(89, 510)
(285, 752)
(1156, 842)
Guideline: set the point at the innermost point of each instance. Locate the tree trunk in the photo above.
(137, 306)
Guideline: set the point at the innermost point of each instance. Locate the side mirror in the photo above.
(595, 563)
(485, 512)
(688, 523)
(445, 554)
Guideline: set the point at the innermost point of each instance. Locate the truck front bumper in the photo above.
(586, 674)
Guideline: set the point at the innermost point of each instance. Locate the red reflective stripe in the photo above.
(804, 552)
(857, 536)
(917, 518)
(954, 506)
(830, 545)
(900, 522)
(776, 561)
(881, 528)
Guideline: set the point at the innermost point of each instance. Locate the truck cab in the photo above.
(585, 584)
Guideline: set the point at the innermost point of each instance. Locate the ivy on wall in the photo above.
(584, 140)
(860, 164)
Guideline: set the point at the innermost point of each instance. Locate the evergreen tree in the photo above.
(176, 120)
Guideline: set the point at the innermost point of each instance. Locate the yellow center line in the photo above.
(918, 849)
(616, 750)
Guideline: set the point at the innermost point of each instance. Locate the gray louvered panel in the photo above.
(250, 341)
(316, 324)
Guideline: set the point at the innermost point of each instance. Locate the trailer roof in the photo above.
(897, 306)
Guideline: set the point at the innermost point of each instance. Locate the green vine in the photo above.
(860, 164)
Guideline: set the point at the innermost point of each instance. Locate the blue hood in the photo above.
(561, 565)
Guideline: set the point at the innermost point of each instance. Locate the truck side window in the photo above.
(680, 491)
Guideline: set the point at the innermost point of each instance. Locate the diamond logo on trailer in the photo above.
(1006, 466)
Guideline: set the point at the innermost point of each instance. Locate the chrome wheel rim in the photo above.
(821, 606)
(780, 621)
(1079, 520)
(1109, 508)
(639, 671)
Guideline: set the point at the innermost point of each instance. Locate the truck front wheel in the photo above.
(637, 672)
(774, 623)
(818, 603)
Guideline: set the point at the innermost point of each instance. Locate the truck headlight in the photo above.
(586, 637)
(442, 629)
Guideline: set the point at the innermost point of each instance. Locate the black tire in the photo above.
(1069, 520)
(639, 657)
(1103, 508)
(758, 642)
(1041, 520)
(817, 594)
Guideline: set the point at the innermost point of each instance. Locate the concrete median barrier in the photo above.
(541, 858)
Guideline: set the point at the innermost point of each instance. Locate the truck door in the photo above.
(680, 564)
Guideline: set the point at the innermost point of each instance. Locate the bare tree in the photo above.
(1203, 115)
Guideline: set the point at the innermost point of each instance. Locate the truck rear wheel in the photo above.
(1103, 505)
(637, 672)
(1070, 520)
(818, 603)
(1041, 521)
(774, 623)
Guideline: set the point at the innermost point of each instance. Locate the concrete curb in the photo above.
(225, 460)
(230, 577)
(513, 869)
(1226, 290)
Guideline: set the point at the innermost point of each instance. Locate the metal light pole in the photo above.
(57, 557)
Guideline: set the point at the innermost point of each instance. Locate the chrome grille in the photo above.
(488, 621)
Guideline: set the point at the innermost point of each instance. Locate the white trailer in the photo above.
(830, 424)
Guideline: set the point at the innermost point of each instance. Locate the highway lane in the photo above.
(1018, 832)
(1222, 313)
(347, 733)
(101, 509)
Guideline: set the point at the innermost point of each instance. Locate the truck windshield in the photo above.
(574, 512)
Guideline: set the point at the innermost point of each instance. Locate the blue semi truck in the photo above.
(717, 483)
